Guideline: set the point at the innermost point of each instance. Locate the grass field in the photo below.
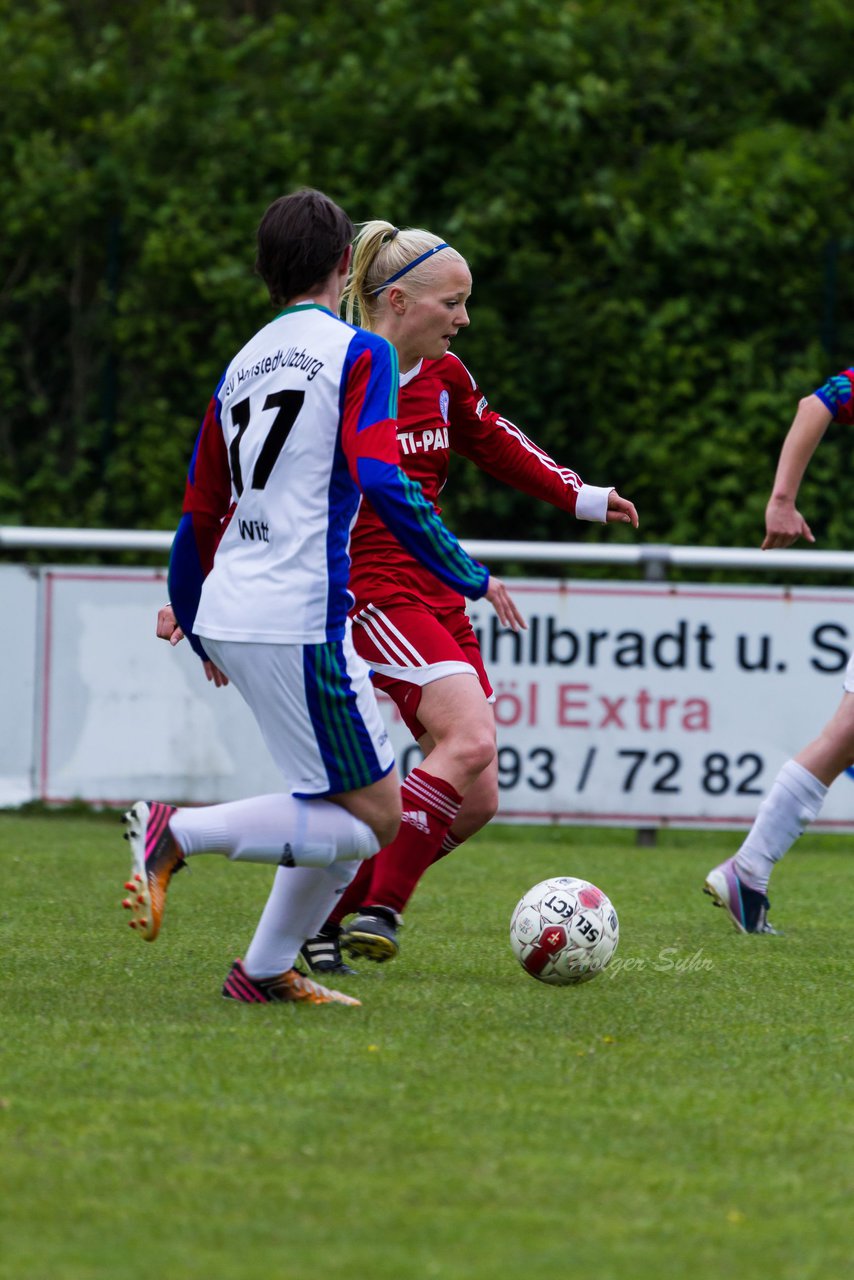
(687, 1114)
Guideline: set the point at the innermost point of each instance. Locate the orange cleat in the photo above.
(155, 859)
(290, 987)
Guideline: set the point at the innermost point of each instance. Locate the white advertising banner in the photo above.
(126, 715)
(624, 703)
(19, 658)
(652, 704)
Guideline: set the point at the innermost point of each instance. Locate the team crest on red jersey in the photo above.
(444, 402)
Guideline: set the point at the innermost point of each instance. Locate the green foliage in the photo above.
(467, 1122)
(655, 202)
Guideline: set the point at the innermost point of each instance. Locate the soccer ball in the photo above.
(564, 931)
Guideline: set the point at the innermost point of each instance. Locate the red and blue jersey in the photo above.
(837, 395)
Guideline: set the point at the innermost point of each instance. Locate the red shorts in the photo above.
(408, 646)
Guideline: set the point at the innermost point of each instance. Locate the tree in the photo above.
(646, 200)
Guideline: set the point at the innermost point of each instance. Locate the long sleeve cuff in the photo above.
(592, 502)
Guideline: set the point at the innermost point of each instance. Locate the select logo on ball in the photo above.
(572, 948)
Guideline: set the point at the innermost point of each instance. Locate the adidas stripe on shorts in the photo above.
(408, 646)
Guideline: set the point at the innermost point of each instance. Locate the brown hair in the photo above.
(300, 242)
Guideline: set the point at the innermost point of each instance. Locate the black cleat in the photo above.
(322, 953)
(373, 934)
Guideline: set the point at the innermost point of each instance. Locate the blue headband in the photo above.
(408, 267)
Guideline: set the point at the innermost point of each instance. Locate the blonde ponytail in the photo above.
(380, 252)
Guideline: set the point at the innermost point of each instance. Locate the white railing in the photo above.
(654, 558)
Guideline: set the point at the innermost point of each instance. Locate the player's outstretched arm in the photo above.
(784, 524)
(501, 449)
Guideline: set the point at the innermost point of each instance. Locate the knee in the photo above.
(475, 751)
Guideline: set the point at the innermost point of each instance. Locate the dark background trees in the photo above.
(657, 210)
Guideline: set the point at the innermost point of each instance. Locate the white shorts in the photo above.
(316, 709)
(848, 682)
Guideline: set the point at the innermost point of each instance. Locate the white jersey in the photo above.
(301, 426)
(280, 571)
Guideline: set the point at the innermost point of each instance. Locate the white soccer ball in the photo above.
(564, 931)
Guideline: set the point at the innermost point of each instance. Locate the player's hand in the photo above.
(500, 599)
(784, 524)
(620, 510)
(167, 625)
(168, 629)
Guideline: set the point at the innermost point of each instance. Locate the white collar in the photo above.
(411, 373)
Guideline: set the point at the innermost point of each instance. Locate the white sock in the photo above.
(795, 800)
(299, 903)
(277, 829)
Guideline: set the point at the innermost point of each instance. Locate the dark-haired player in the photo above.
(300, 429)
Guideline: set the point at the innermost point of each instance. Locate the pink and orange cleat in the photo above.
(289, 987)
(155, 857)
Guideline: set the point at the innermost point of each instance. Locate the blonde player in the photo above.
(412, 288)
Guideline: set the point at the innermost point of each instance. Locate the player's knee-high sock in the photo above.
(430, 805)
(356, 893)
(278, 829)
(448, 845)
(299, 902)
(794, 801)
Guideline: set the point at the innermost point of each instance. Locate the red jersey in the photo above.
(441, 410)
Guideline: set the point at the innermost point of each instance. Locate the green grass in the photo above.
(467, 1123)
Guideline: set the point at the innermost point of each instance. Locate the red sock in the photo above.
(448, 845)
(430, 805)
